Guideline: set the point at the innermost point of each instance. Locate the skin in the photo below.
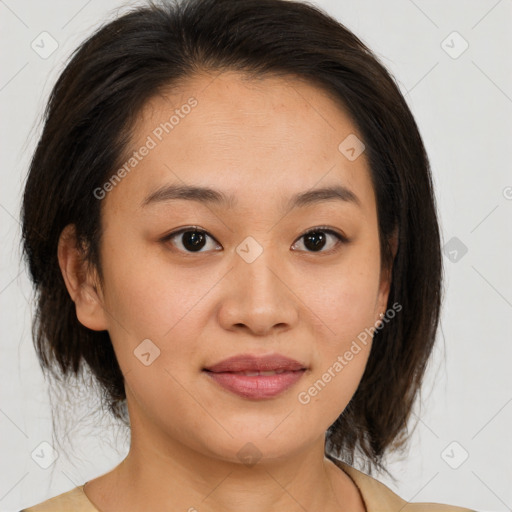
(261, 140)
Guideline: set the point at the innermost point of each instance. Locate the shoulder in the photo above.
(380, 498)
(71, 501)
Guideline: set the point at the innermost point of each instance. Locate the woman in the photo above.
(229, 218)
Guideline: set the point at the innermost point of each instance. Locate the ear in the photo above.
(81, 281)
(386, 277)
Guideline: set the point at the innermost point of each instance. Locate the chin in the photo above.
(259, 444)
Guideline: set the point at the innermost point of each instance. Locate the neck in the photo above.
(160, 473)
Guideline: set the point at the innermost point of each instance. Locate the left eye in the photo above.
(194, 240)
(316, 239)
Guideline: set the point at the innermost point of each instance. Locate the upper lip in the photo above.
(249, 362)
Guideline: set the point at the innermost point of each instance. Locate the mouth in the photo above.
(256, 373)
(256, 377)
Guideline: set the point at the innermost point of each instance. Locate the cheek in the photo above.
(345, 303)
(342, 348)
(345, 297)
(147, 300)
(142, 291)
(154, 314)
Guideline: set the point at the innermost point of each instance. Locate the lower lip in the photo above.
(256, 387)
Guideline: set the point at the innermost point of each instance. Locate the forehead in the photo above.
(254, 139)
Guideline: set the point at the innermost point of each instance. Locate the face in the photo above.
(250, 269)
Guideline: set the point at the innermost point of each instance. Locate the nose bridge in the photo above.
(258, 298)
(258, 265)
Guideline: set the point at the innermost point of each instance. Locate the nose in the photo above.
(259, 297)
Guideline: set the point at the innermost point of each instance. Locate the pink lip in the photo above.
(251, 363)
(229, 375)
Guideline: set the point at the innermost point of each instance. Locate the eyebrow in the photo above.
(209, 195)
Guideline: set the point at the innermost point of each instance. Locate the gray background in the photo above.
(463, 104)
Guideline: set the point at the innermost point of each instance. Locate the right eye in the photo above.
(189, 240)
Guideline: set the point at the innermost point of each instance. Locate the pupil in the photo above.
(317, 240)
(193, 240)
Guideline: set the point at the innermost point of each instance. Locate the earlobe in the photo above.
(393, 243)
(387, 276)
(81, 282)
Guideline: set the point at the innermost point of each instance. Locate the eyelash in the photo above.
(341, 239)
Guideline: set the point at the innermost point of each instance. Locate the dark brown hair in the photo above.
(88, 123)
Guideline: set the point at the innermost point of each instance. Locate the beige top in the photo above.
(376, 496)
